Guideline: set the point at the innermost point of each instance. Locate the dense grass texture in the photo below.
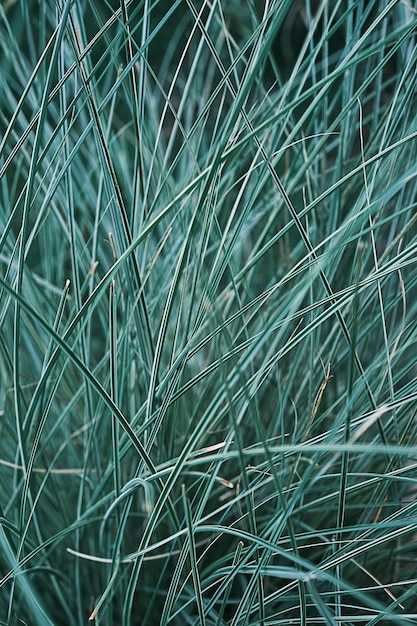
(208, 285)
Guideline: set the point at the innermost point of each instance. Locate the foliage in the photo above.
(207, 310)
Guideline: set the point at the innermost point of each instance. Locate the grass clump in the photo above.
(207, 309)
